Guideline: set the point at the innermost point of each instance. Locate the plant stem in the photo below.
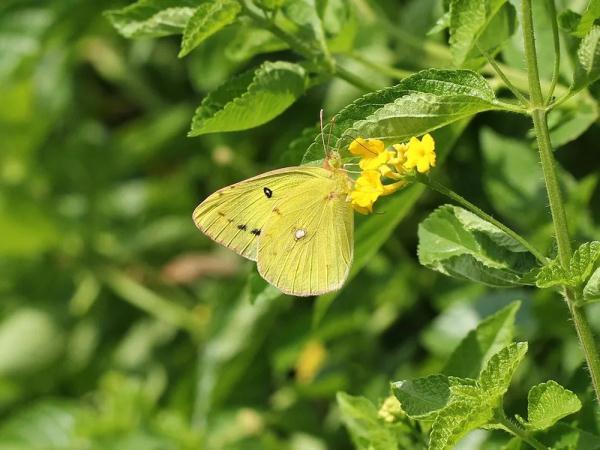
(556, 69)
(299, 47)
(559, 218)
(517, 430)
(503, 77)
(354, 80)
(479, 213)
(392, 72)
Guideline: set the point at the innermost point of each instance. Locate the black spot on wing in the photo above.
(268, 192)
(255, 232)
(242, 227)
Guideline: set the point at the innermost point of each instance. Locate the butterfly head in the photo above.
(333, 161)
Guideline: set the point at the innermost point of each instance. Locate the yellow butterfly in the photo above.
(296, 223)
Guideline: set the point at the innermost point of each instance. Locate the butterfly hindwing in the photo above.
(306, 247)
(235, 215)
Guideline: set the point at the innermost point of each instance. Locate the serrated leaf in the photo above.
(475, 22)
(583, 260)
(581, 265)
(497, 374)
(422, 398)
(208, 18)
(591, 291)
(547, 403)
(588, 57)
(368, 432)
(455, 421)
(419, 104)
(457, 243)
(250, 99)
(152, 18)
(492, 334)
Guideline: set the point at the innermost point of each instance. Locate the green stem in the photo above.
(150, 302)
(559, 218)
(354, 80)
(502, 76)
(479, 213)
(556, 69)
(517, 430)
(392, 72)
(302, 49)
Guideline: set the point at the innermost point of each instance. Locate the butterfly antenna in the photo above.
(364, 146)
(322, 135)
(331, 126)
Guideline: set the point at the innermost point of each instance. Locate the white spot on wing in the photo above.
(299, 233)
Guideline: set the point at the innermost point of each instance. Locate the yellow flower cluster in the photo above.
(397, 163)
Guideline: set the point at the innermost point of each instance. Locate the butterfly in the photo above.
(297, 224)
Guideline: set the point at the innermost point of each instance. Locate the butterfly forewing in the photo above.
(235, 215)
(307, 245)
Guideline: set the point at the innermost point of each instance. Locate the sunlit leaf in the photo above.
(250, 99)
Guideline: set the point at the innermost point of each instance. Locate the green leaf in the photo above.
(455, 421)
(580, 25)
(512, 179)
(422, 398)
(547, 403)
(303, 14)
(475, 22)
(45, 425)
(419, 104)
(492, 334)
(250, 99)
(588, 57)
(497, 374)
(572, 119)
(209, 18)
(250, 41)
(367, 430)
(152, 18)
(591, 291)
(30, 342)
(457, 243)
(581, 265)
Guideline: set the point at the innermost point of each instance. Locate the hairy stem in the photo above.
(479, 213)
(556, 68)
(559, 217)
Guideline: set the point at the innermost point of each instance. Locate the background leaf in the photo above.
(250, 99)
(491, 334)
(152, 18)
(208, 19)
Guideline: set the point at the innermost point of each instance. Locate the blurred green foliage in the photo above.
(122, 327)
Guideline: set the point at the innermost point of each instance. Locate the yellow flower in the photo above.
(310, 361)
(420, 154)
(372, 152)
(391, 410)
(367, 189)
